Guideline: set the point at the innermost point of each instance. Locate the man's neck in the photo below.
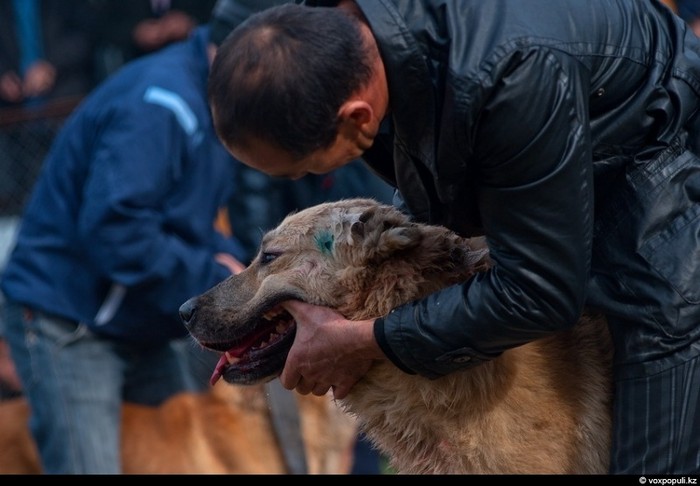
(377, 92)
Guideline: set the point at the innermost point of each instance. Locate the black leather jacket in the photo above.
(563, 131)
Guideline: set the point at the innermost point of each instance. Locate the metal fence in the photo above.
(26, 135)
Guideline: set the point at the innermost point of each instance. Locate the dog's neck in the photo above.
(386, 390)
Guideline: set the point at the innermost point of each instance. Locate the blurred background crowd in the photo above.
(54, 53)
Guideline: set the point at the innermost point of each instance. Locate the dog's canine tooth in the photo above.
(273, 314)
(270, 339)
(231, 359)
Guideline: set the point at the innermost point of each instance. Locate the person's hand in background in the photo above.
(230, 262)
(152, 34)
(10, 87)
(39, 79)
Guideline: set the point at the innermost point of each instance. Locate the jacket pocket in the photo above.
(669, 189)
(674, 253)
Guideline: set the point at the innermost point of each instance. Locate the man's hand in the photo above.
(328, 351)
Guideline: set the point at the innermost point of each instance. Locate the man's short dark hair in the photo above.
(282, 75)
(229, 14)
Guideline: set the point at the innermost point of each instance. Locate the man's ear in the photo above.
(359, 111)
(359, 115)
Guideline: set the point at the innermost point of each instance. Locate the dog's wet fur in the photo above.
(539, 408)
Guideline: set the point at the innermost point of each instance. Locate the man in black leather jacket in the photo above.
(565, 132)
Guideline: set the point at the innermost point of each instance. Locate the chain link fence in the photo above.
(26, 135)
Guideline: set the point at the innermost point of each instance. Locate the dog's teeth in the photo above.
(273, 314)
(280, 328)
(231, 359)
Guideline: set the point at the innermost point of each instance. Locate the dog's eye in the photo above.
(266, 258)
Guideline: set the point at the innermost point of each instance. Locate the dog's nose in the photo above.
(187, 311)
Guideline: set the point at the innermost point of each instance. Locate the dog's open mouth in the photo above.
(259, 355)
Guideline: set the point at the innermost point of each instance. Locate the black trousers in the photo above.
(646, 279)
(652, 433)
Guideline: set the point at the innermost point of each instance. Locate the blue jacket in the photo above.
(118, 232)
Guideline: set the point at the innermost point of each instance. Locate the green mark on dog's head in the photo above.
(324, 242)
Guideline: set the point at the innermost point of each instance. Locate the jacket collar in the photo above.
(410, 85)
(412, 107)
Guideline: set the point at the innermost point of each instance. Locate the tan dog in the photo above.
(227, 430)
(540, 408)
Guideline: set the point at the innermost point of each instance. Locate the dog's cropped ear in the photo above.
(384, 231)
(358, 227)
(402, 238)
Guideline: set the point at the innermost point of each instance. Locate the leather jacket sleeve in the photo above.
(530, 143)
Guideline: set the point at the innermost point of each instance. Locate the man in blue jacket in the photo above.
(119, 231)
(565, 132)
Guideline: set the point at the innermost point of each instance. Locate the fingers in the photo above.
(289, 379)
(319, 390)
(305, 387)
(340, 392)
(294, 381)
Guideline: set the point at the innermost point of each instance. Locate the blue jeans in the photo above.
(75, 382)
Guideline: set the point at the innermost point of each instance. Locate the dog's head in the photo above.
(356, 256)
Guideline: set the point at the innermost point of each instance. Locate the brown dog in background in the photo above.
(226, 430)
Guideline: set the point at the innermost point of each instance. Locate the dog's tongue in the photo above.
(218, 370)
(234, 354)
(229, 357)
